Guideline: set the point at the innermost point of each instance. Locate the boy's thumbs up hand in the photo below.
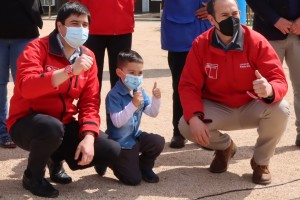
(156, 91)
(262, 87)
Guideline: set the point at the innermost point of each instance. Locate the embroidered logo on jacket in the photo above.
(244, 65)
(211, 70)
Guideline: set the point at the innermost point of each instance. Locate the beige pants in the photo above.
(289, 49)
(269, 119)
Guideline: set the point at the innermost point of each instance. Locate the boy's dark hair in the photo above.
(71, 8)
(128, 56)
(210, 7)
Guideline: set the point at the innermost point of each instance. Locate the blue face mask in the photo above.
(133, 82)
(76, 36)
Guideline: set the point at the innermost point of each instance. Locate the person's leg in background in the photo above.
(176, 61)
(289, 49)
(97, 44)
(116, 44)
(10, 50)
(5, 140)
(41, 135)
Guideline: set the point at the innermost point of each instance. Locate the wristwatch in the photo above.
(69, 70)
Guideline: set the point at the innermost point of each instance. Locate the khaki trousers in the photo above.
(289, 49)
(269, 119)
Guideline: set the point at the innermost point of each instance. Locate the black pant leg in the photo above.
(127, 168)
(116, 44)
(98, 44)
(151, 145)
(106, 151)
(176, 61)
(41, 135)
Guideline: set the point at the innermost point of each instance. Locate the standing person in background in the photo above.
(21, 19)
(112, 27)
(182, 21)
(279, 22)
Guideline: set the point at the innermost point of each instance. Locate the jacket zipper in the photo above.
(76, 82)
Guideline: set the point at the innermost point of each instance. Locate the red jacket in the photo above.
(110, 17)
(33, 91)
(225, 76)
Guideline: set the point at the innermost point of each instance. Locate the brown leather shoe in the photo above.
(222, 157)
(261, 174)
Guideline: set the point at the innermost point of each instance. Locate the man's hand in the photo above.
(283, 25)
(199, 131)
(295, 29)
(202, 12)
(137, 98)
(156, 91)
(262, 87)
(86, 149)
(82, 63)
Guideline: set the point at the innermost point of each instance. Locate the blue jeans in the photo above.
(10, 49)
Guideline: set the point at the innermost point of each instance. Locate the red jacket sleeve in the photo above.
(32, 81)
(191, 83)
(266, 61)
(89, 103)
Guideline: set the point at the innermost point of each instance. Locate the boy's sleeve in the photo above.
(112, 103)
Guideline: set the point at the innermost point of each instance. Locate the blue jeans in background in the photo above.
(10, 49)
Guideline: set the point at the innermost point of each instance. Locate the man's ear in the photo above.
(60, 28)
(211, 19)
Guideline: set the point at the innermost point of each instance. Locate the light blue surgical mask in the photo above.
(133, 82)
(76, 36)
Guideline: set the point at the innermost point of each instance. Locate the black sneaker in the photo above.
(149, 176)
(39, 187)
(100, 169)
(177, 142)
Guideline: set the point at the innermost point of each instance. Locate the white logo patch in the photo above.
(212, 70)
(244, 65)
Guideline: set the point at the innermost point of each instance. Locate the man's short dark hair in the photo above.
(71, 8)
(128, 56)
(210, 7)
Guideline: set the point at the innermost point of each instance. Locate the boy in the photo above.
(125, 104)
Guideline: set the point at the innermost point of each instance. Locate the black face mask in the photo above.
(229, 26)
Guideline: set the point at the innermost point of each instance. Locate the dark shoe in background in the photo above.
(222, 158)
(39, 187)
(100, 169)
(177, 142)
(297, 143)
(261, 174)
(57, 172)
(6, 142)
(149, 176)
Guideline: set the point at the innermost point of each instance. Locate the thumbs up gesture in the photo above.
(156, 91)
(262, 87)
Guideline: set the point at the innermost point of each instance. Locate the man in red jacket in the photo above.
(111, 30)
(53, 72)
(233, 80)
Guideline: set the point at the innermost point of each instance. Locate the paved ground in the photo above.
(183, 173)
